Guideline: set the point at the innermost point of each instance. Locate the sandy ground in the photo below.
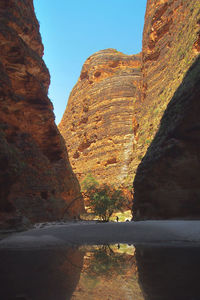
(84, 233)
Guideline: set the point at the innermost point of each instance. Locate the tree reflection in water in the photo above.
(109, 272)
(101, 272)
(105, 261)
(146, 272)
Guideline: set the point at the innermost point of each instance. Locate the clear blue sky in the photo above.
(72, 30)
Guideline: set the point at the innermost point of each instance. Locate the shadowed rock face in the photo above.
(98, 120)
(35, 177)
(167, 182)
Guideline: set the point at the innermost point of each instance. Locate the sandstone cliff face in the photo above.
(36, 179)
(98, 120)
(167, 183)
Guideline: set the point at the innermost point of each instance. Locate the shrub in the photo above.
(104, 201)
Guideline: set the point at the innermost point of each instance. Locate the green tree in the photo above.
(104, 201)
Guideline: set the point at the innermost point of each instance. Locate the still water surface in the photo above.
(119, 272)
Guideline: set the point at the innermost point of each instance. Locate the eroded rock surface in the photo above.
(36, 179)
(98, 120)
(167, 183)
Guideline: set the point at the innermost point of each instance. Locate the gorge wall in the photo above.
(98, 120)
(116, 114)
(36, 179)
(167, 183)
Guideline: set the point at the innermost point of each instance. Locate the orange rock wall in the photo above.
(98, 120)
(167, 181)
(36, 179)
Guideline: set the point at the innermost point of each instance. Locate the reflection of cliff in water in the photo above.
(169, 273)
(39, 274)
(101, 272)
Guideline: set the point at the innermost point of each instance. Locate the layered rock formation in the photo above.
(167, 183)
(36, 179)
(98, 120)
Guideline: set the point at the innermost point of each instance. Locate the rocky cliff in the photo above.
(167, 182)
(36, 179)
(98, 120)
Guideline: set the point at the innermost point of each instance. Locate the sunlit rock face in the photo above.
(36, 179)
(167, 183)
(98, 120)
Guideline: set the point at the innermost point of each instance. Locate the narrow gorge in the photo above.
(129, 117)
(124, 108)
(106, 205)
